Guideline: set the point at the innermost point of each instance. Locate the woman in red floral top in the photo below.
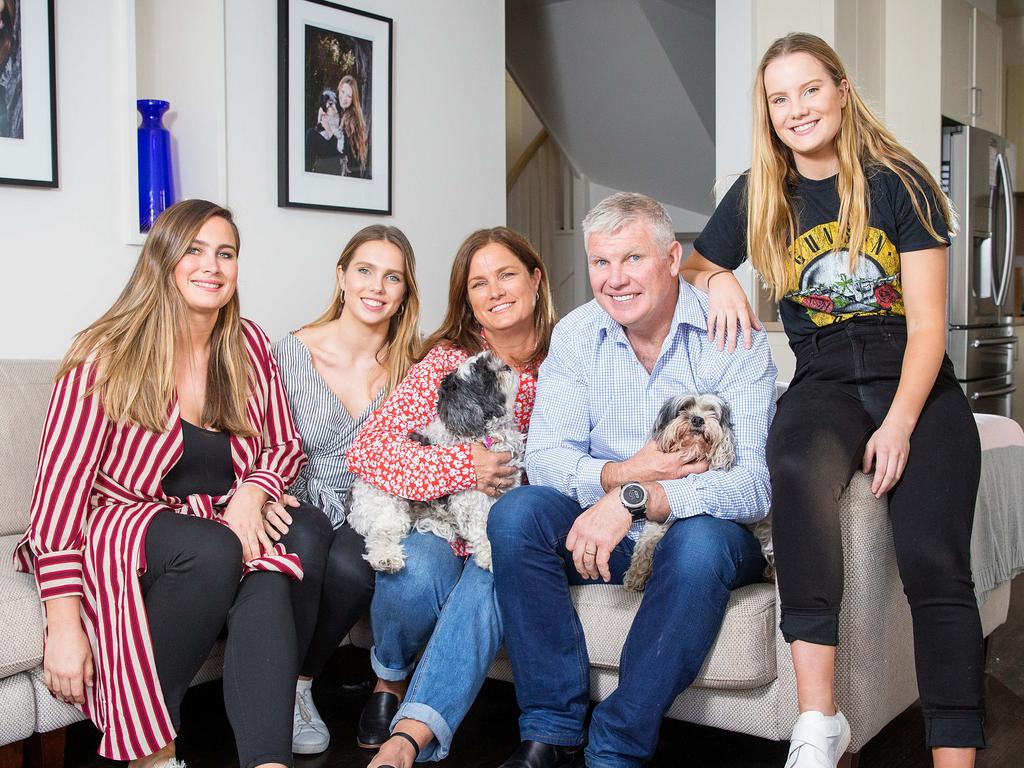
(498, 299)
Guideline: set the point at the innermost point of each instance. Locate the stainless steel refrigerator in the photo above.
(977, 175)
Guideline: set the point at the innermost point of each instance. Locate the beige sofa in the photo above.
(746, 683)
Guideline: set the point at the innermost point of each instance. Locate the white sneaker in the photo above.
(309, 732)
(818, 741)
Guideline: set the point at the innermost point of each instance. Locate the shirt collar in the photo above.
(688, 311)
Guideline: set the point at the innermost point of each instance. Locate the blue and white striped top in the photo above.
(327, 430)
(596, 403)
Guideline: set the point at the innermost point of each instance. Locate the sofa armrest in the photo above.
(875, 678)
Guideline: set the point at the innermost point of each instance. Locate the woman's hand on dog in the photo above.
(494, 474)
(649, 465)
(276, 518)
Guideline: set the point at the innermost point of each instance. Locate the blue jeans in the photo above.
(447, 604)
(698, 562)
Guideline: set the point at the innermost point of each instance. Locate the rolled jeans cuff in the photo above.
(387, 673)
(430, 717)
(818, 626)
(527, 733)
(955, 729)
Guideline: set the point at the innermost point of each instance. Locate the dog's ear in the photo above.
(465, 404)
(723, 453)
(726, 418)
(669, 411)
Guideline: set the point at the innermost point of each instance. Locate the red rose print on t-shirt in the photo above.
(818, 303)
(885, 295)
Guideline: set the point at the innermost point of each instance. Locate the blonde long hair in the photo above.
(402, 345)
(133, 344)
(862, 142)
(460, 327)
(353, 121)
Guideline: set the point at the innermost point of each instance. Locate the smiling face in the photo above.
(806, 109)
(374, 282)
(633, 278)
(345, 95)
(501, 291)
(206, 275)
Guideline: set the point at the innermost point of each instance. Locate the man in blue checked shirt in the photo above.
(595, 480)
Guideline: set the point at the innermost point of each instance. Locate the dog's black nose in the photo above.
(696, 422)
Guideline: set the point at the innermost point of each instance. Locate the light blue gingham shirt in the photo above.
(596, 403)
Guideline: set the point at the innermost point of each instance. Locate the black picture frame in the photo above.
(28, 106)
(334, 156)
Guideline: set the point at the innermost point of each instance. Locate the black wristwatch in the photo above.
(633, 497)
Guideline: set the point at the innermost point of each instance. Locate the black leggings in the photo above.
(191, 591)
(845, 381)
(335, 590)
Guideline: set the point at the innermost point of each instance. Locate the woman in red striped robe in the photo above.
(167, 432)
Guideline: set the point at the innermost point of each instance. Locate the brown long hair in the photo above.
(134, 343)
(460, 327)
(862, 142)
(353, 121)
(401, 347)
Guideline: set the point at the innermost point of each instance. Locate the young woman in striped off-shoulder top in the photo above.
(336, 371)
(167, 432)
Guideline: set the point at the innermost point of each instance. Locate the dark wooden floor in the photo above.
(489, 733)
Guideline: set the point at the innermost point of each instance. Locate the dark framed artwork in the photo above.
(334, 107)
(28, 94)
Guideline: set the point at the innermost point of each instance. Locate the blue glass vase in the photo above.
(156, 176)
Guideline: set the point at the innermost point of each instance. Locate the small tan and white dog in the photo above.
(698, 428)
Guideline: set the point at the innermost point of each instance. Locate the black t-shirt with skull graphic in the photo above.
(820, 290)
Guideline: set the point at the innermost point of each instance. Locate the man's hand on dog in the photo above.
(649, 465)
(595, 534)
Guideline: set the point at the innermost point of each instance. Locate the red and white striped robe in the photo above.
(98, 484)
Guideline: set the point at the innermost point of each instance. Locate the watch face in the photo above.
(633, 494)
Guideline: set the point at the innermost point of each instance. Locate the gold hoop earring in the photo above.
(342, 295)
(401, 310)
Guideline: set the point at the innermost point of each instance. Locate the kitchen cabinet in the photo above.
(972, 66)
(988, 73)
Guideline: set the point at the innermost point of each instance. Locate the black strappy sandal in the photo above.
(411, 740)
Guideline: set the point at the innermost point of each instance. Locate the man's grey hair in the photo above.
(624, 208)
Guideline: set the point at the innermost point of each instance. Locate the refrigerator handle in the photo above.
(1004, 171)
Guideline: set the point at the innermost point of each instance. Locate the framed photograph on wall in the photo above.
(28, 94)
(334, 107)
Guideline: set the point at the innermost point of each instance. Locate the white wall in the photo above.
(63, 249)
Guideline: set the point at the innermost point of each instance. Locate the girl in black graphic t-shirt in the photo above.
(849, 230)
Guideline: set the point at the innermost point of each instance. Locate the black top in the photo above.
(205, 465)
(820, 292)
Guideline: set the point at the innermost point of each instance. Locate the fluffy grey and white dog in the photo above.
(698, 427)
(475, 402)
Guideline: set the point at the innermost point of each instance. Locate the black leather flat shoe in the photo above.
(375, 720)
(536, 754)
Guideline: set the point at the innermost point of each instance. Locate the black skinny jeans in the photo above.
(845, 381)
(191, 588)
(335, 590)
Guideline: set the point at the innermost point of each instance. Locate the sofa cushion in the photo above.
(17, 709)
(25, 387)
(742, 657)
(21, 615)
